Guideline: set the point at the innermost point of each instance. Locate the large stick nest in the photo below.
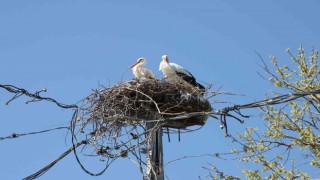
(141, 100)
(112, 118)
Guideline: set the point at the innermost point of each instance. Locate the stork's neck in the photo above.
(165, 64)
(138, 66)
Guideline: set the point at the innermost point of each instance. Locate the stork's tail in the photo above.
(197, 85)
(200, 86)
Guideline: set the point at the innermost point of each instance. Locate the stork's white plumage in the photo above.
(139, 71)
(174, 72)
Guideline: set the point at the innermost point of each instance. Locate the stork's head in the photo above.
(140, 62)
(165, 58)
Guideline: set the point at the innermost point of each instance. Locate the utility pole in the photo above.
(154, 170)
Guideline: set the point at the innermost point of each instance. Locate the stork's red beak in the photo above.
(133, 65)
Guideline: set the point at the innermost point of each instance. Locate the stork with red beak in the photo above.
(174, 72)
(139, 71)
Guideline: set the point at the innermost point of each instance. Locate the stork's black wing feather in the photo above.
(190, 79)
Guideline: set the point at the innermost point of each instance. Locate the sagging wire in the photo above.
(15, 135)
(36, 96)
(225, 112)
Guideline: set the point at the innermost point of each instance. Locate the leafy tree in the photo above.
(289, 145)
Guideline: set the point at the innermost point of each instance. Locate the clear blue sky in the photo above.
(70, 47)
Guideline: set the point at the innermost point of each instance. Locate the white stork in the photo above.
(174, 72)
(139, 71)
